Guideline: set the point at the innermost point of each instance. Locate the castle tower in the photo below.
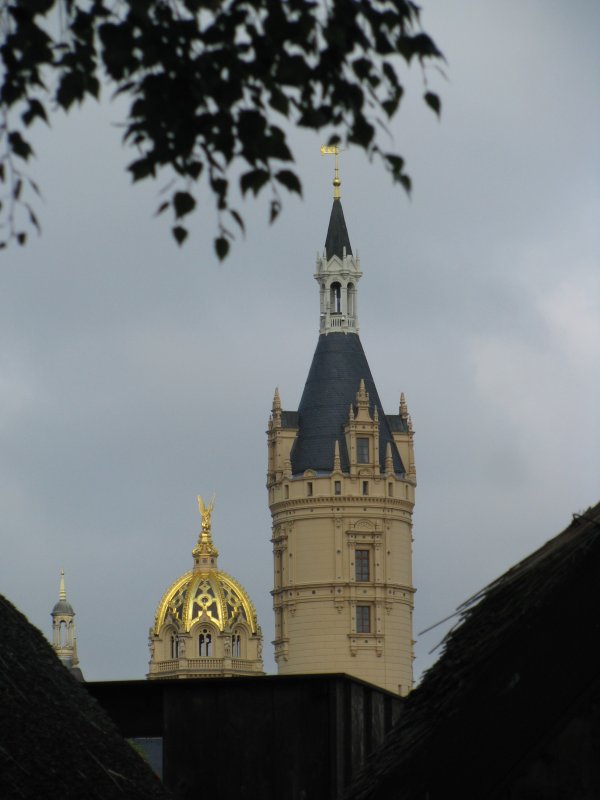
(64, 641)
(341, 482)
(205, 624)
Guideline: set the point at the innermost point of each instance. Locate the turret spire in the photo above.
(338, 270)
(62, 594)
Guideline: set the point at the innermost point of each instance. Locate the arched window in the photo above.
(174, 646)
(236, 646)
(62, 634)
(335, 298)
(205, 643)
(351, 300)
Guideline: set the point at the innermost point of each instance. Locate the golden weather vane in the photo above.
(334, 150)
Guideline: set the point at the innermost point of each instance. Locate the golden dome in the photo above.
(210, 596)
(205, 593)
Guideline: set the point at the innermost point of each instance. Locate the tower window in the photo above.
(337, 487)
(335, 298)
(361, 565)
(309, 489)
(174, 646)
(390, 489)
(363, 619)
(362, 450)
(286, 489)
(236, 650)
(365, 487)
(351, 299)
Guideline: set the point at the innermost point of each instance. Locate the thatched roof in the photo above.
(524, 658)
(55, 741)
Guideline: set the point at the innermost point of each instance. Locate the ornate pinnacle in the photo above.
(205, 546)
(337, 464)
(403, 407)
(362, 396)
(276, 400)
(389, 463)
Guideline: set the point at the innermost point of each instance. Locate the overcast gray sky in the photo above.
(134, 375)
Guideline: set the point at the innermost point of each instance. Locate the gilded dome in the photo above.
(208, 595)
(205, 625)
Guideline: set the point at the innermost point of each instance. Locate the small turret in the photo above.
(64, 641)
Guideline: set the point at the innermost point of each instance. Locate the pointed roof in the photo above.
(337, 233)
(487, 712)
(62, 607)
(338, 366)
(55, 740)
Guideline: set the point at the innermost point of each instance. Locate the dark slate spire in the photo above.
(338, 365)
(337, 233)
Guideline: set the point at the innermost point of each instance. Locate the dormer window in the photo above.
(362, 450)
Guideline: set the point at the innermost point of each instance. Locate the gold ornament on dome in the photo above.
(205, 546)
(206, 512)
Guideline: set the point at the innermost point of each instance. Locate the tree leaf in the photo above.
(180, 234)
(253, 180)
(290, 180)
(221, 247)
(183, 203)
(142, 168)
(433, 101)
(237, 217)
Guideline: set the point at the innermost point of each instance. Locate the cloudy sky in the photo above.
(134, 375)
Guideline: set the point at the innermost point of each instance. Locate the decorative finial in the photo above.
(206, 512)
(403, 407)
(205, 546)
(62, 594)
(276, 400)
(389, 462)
(333, 150)
(337, 464)
(362, 396)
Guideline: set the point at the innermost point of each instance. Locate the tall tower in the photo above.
(341, 482)
(64, 641)
(205, 625)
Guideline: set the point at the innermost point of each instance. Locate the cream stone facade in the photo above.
(341, 483)
(205, 624)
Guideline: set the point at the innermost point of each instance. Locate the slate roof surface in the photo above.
(520, 667)
(337, 233)
(56, 743)
(289, 419)
(339, 363)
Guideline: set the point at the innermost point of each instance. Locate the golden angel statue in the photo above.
(206, 512)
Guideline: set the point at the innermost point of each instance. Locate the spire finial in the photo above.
(276, 400)
(334, 150)
(403, 407)
(337, 464)
(62, 593)
(205, 546)
(389, 463)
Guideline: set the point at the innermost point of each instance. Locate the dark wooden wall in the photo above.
(265, 738)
